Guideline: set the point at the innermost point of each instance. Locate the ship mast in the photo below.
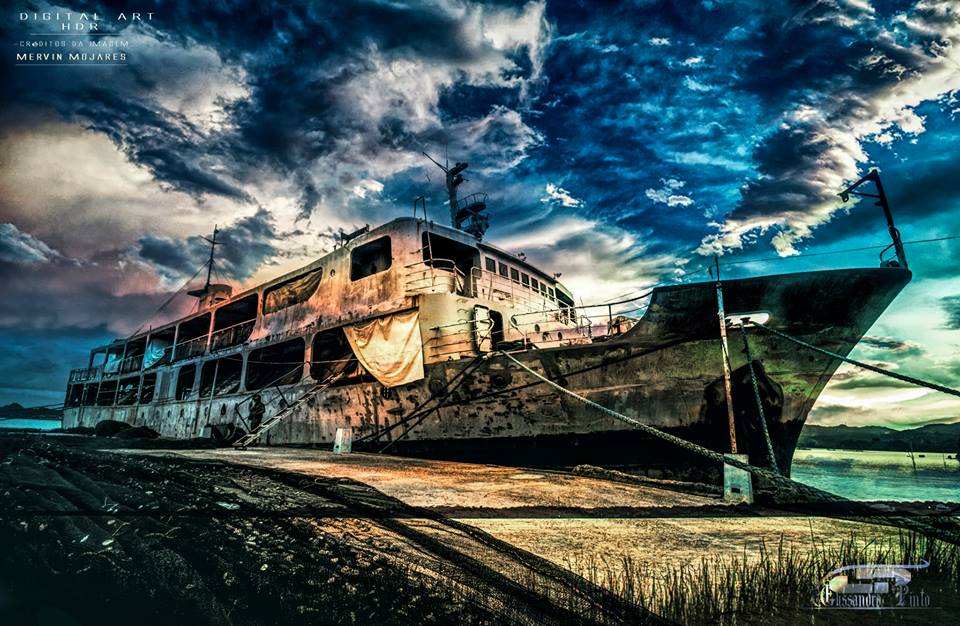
(465, 214)
(199, 293)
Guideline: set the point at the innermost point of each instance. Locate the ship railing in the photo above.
(458, 339)
(473, 199)
(593, 322)
(131, 364)
(85, 374)
(190, 348)
(493, 286)
(435, 276)
(231, 335)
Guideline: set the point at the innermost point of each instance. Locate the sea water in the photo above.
(876, 475)
(28, 423)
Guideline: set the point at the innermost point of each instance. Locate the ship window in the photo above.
(90, 394)
(107, 393)
(192, 340)
(514, 275)
(296, 290)
(280, 364)
(535, 284)
(185, 380)
(490, 264)
(525, 279)
(370, 258)
(159, 347)
(207, 372)
(551, 293)
(566, 306)
(127, 394)
(147, 388)
(228, 375)
(503, 269)
(74, 395)
(543, 288)
(332, 355)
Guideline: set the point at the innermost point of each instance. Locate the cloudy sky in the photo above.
(621, 144)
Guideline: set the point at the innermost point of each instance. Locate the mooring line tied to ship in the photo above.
(816, 495)
(756, 395)
(866, 366)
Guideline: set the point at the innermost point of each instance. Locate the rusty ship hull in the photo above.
(666, 371)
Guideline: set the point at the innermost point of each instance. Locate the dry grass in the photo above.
(775, 585)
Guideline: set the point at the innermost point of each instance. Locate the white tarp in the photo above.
(389, 347)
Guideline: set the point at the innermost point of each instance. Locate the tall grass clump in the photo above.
(776, 584)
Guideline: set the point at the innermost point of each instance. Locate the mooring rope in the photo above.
(866, 366)
(756, 395)
(864, 512)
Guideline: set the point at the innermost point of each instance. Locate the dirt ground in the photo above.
(99, 531)
(89, 536)
(565, 518)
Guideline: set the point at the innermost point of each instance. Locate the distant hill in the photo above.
(15, 410)
(929, 438)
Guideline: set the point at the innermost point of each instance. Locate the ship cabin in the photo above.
(468, 298)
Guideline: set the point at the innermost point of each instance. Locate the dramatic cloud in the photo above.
(560, 195)
(23, 248)
(243, 247)
(864, 83)
(889, 344)
(667, 193)
(951, 307)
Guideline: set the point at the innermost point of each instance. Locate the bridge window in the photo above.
(535, 284)
(280, 364)
(514, 275)
(503, 269)
(525, 279)
(296, 290)
(147, 388)
(185, 380)
(370, 258)
(490, 264)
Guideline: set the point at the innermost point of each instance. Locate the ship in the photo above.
(399, 336)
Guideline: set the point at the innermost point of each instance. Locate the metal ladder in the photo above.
(251, 437)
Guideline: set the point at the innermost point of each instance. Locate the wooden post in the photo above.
(726, 362)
